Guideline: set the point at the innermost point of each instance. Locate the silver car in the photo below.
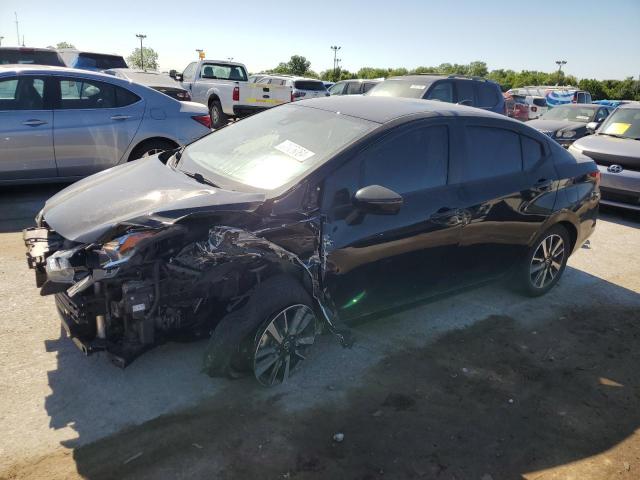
(61, 124)
(615, 147)
(301, 88)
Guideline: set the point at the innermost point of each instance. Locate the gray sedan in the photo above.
(61, 124)
(567, 123)
(616, 149)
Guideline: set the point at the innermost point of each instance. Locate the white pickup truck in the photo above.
(223, 87)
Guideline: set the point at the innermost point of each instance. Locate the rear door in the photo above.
(94, 124)
(375, 262)
(26, 129)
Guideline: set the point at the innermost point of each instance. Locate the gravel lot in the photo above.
(528, 388)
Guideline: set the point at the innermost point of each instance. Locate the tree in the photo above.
(299, 65)
(150, 59)
(477, 69)
(64, 45)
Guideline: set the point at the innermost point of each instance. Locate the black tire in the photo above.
(151, 147)
(232, 345)
(218, 118)
(535, 277)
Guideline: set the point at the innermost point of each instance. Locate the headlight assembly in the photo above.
(121, 249)
(567, 134)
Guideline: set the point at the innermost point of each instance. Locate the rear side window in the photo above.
(405, 162)
(309, 85)
(28, 57)
(491, 152)
(442, 91)
(487, 95)
(86, 94)
(531, 152)
(124, 97)
(353, 88)
(465, 91)
(26, 93)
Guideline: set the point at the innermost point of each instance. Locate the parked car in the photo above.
(353, 87)
(470, 91)
(224, 88)
(525, 107)
(61, 124)
(30, 56)
(301, 88)
(91, 61)
(615, 147)
(554, 95)
(309, 215)
(567, 123)
(328, 85)
(160, 82)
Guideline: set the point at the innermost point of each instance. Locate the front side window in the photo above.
(337, 89)
(79, 93)
(25, 93)
(491, 152)
(270, 150)
(189, 72)
(442, 91)
(601, 115)
(416, 159)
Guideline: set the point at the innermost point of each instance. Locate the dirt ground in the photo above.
(492, 401)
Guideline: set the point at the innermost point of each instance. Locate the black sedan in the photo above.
(567, 123)
(304, 218)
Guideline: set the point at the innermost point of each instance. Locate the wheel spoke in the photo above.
(556, 265)
(274, 371)
(273, 331)
(559, 253)
(537, 268)
(545, 250)
(295, 322)
(263, 366)
(304, 323)
(537, 282)
(264, 352)
(287, 364)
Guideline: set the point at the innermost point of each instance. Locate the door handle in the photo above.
(120, 117)
(34, 122)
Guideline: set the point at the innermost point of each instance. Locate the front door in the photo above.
(374, 262)
(26, 121)
(94, 124)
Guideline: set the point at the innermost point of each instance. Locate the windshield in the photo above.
(570, 114)
(271, 149)
(623, 122)
(400, 88)
(38, 57)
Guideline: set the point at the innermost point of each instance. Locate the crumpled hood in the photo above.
(555, 125)
(86, 210)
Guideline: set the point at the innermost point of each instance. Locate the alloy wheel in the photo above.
(547, 261)
(215, 115)
(282, 344)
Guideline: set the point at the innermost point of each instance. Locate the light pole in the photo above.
(1, 37)
(335, 49)
(230, 59)
(560, 63)
(200, 56)
(141, 36)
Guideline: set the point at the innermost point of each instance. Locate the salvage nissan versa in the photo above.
(306, 217)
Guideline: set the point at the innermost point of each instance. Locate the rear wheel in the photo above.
(151, 147)
(546, 262)
(218, 118)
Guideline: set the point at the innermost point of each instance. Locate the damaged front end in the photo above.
(152, 281)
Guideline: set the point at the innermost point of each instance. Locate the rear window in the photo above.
(99, 61)
(217, 71)
(487, 95)
(35, 57)
(540, 102)
(400, 88)
(309, 85)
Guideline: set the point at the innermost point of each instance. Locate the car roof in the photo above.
(385, 109)
(630, 105)
(29, 49)
(47, 69)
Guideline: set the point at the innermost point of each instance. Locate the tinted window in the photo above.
(189, 72)
(531, 152)
(401, 88)
(27, 93)
(99, 61)
(353, 88)
(487, 95)
(442, 91)
(540, 102)
(465, 90)
(26, 56)
(224, 72)
(86, 94)
(124, 97)
(409, 161)
(309, 85)
(491, 152)
(368, 86)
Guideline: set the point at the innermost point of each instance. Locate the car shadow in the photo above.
(537, 384)
(620, 216)
(20, 204)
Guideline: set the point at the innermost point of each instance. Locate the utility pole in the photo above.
(141, 36)
(1, 37)
(17, 28)
(335, 49)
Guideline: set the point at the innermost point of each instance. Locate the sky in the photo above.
(598, 39)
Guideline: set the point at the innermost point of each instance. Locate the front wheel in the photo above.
(545, 263)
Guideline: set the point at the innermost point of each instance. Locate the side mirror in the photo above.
(466, 103)
(179, 77)
(378, 200)
(172, 73)
(592, 126)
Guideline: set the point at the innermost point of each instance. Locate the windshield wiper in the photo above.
(200, 179)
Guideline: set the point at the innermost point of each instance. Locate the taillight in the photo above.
(236, 93)
(203, 120)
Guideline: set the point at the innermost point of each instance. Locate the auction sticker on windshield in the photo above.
(617, 128)
(298, 152)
